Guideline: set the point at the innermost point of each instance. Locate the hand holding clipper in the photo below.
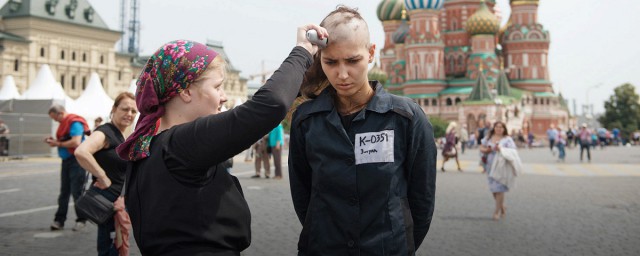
(312, 36)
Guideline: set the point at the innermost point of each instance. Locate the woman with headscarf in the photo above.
(180, 200)
(450, 150)
(97, 154)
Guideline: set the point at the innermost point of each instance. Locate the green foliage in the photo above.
(380, 77)
(439, 126)
(622, 110)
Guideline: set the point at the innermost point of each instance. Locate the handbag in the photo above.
(95, 206)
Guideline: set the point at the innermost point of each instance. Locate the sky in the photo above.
(594, 43)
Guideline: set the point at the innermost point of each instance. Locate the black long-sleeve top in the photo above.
(180, 200)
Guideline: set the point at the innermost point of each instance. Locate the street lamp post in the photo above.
(588, 114)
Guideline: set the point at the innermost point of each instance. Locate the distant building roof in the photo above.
(78, 12)
(217, 46)
(8, 36)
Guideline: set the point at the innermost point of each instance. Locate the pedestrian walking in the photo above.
(70, 134)
(276, 143)
(362, 161)
(4, 141)
(552, 135)
(450, 151)
(464, 138)
(180, 198)
(561, 144)
(501, 177)
(97, 155)
(261, 157)
(585, 141)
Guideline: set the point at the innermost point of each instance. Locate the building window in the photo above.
(460, 64)
(84, 82)
(62, 80)
(458, 100)
(449, 102)
(73, 56)
(426, 102)
(73, 82)
(535, 101)
(434, 102)
(62, 55)
(84, 57)
(101, 59)
(16, 65)
(451, 63)
(42, 52)
(119, 75)
(102, 81)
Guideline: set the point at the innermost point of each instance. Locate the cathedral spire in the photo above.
(480, 90)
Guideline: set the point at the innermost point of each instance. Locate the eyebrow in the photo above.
(347, 58)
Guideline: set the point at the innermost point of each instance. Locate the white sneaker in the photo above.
(79, 226)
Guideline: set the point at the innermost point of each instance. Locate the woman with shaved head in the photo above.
(362, 162)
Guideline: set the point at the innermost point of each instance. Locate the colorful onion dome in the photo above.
(423, 4)
(390, 10)
(483, 21)
(401, 33)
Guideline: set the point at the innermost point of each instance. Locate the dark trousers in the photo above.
(107, 230)
(277, 160)
(72, 178)
(583, 147)
(463, 144)
(552, 143)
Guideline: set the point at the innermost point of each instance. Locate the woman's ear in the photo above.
(185, 95)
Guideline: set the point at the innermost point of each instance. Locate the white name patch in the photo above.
(374, 147)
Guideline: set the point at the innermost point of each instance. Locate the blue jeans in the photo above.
(561, 150)
(105, 240)
(72, 178)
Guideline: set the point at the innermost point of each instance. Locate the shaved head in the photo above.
(346, 24)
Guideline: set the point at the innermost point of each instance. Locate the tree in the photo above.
(622, 110)
(439, 126)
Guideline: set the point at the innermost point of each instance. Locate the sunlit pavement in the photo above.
(569, 208)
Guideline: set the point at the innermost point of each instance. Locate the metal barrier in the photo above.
(26, 136)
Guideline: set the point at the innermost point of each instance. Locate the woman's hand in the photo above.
(302, 37)
(103, 182)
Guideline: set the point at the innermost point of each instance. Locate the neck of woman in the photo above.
(350, 104)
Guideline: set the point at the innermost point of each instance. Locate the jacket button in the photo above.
(350, 243)
(349, 161)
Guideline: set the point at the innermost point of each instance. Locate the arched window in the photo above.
(449, 102)
(119, 75)
(73, 56)
(16, 65)
(84, 57)
(458, 100)
(454, 25)
(42, 52)
(62, 80)
(434, 102)
(84, 83)
(62, 55)
(73, 82)
(101, 59)
(535, 101)
(547, 101)
(426, 102)
(460, 64)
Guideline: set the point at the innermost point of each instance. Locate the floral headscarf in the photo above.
(170, 70)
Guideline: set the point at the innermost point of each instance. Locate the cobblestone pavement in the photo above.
(569, 208)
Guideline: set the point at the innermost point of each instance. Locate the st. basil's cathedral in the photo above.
(454, 59)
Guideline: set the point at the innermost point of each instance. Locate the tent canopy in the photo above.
(9, 89)
(94, 101)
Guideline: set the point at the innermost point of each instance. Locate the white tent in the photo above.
(9, 89)
(133, 86)
(44, 87)
(238, 102)
(94, 101)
